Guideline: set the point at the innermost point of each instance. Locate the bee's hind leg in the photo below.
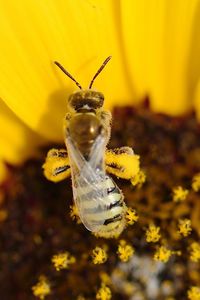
(56, 166)
(122, 162)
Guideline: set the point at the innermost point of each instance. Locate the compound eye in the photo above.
(92, 99)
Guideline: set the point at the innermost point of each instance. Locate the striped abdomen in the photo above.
(106, 214)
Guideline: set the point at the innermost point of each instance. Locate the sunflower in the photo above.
(152, 86)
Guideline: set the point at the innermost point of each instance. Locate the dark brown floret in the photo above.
(38, 224)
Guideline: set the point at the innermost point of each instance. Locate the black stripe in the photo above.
(59, 170)
(115, 204)
(114, 166)
(112, 189)
(92, 194)
(58, 153)
(112, 220)
(62, 154)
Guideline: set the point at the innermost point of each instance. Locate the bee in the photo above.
(87, 127)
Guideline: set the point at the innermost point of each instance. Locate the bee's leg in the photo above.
(56, 166)
(122, 162)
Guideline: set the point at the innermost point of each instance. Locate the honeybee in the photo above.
(87, 128)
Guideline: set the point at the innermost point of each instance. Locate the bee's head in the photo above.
(86, 99)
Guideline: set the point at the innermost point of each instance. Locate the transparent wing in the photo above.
(88, 181)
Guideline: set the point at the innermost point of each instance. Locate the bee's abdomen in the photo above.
(109, 217)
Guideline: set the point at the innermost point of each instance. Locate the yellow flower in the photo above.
(184, 227)
(63, 260)
(195, 252)
(162, 254)
(154, 48)
(194, 293)
(152, 234)
(99, 255)
(125, 251)
(42, 288)
(179, 194)
(104, 293)
(131, 216)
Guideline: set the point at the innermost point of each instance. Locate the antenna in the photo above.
(99, 71)
(67, 73)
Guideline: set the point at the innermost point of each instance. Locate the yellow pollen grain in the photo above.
(104, 293)
(139, 179)
(179, 194)
(131, 216)
(63, 260)
(162, 254)
(194, 293)
(99, 255)
(184, 227)
(195, 252)
(42, 288)
(74, 214)
(152, 234)
(125, 251)
(196, 182)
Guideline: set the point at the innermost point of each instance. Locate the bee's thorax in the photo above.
(83, 130)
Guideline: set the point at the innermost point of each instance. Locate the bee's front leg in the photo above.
(122, 162)
(56, 166)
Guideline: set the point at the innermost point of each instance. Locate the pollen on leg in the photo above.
(56, 166)
(139, 179)
(122, 165)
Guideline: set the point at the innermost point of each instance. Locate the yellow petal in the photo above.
(155, 49)
(80, 35)
(159, 45)
(17, 140)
